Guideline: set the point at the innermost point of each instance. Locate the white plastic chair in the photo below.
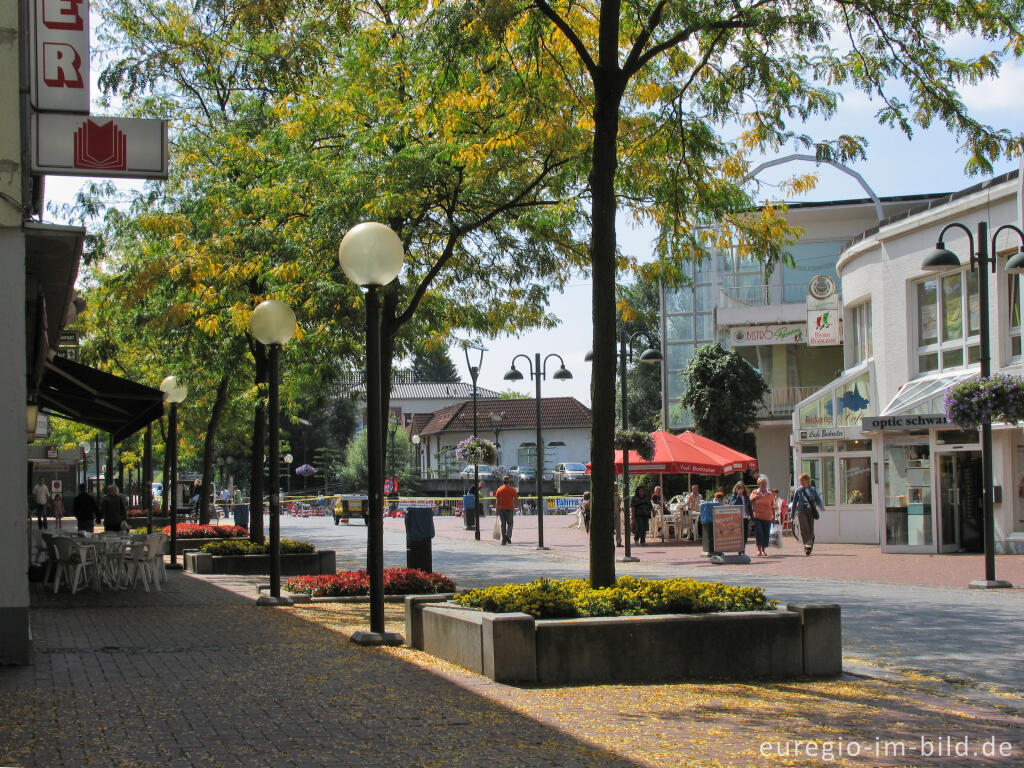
(155, 555)
(75, 561)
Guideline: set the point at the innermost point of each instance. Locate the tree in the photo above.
(433, 364)
(664, 81)
(723, 394)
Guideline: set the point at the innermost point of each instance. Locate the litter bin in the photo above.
(469, 511)
(419, 530)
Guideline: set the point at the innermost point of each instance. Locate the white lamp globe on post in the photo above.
(371, 256)
(273, 325)
(174, 392)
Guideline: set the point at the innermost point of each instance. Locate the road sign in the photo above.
(113, 147)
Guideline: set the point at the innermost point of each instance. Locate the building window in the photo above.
(1014, 320)
(858, 331)
(944, 339)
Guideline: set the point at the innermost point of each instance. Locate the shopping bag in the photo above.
(775, 535)
(496, 533)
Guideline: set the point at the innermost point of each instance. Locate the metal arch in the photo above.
(816, 161)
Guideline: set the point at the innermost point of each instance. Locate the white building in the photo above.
(511, 423)
(891, 469)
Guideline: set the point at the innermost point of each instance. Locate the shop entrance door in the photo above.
(960, 501)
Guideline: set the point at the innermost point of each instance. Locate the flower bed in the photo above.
(397, 581)
(288, 547)
(195, 531)
(574, 598)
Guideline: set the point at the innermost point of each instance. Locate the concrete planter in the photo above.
(795, 641)
(319, 562)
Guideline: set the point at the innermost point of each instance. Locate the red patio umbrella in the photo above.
(689, 453)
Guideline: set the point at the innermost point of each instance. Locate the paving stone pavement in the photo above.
(197, 675)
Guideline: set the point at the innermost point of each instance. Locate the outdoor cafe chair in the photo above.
(75, 561)
(155, 543)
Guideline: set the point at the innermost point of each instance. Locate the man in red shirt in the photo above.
(507, 501)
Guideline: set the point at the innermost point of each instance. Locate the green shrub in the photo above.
(288, 547)
(573, 598)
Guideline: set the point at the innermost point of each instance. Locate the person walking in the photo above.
(641, 509)
(804, 506)
(506, 499)
(112, 509)
(763, 501)
(40, 499)
(741, 499)
(85, 509)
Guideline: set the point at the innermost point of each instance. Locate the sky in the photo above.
(894, 166)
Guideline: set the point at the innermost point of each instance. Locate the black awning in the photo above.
(97, 398)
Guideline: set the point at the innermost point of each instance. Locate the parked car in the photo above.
(484, 470)
(569, 470)
(519, 473)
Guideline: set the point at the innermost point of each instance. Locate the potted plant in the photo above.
(997, 398)
(635, 440)
(476, 450)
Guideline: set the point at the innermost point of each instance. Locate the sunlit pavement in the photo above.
(891, 620)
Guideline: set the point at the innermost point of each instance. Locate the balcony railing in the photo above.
(780, 401)
(762, 295)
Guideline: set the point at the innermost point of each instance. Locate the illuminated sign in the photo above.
(60, 56)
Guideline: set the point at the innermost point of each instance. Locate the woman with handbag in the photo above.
(763, 502)
(804, 506)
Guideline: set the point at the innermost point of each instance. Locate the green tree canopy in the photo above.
(723, 394)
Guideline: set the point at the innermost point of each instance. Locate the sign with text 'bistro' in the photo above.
(73, 145)
(763, 335)
(60, 56)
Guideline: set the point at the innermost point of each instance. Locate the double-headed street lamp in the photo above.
(174, 393)
(982, 258)
(371, 256)
(273, 324)
(538, 371)
(474, 373)
(650, 355)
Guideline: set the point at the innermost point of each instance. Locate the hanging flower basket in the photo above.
(476, 450)
(635, 440)
(305, 470)
(997, 398)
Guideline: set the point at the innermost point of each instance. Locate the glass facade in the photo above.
(908, 495)
(948, 322)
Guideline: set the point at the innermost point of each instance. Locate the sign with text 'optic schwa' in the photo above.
(113, 147)
(60, 56)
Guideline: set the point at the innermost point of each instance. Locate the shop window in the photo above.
(822, 471)
(908, 495)
(855, 479)
(1018, 496)
(853, 400)
(818, 412)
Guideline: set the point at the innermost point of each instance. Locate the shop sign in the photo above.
(728, 529)
(111, 147)
(823, 327)
(821, 287)
(567, 503)
(60, 56)
(52, 452)
(760, 335)
(906, 421)
(823, 434)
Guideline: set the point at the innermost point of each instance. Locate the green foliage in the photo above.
(236, 547)
(398, 458)
(629, 596)
(639, 305)
(723, 394)
(433, 364)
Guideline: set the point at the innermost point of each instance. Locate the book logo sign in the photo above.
(101, 147)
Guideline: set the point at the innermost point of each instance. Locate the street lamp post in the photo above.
(416, 446)
(288, 459)
(649, 355)
(371, 256)
(474, 373)
(174, 393)
(982, 258)
(273, 324)
(538, 371)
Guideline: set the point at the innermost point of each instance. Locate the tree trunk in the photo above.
(208, 443)
(259, 442)
(608, 89)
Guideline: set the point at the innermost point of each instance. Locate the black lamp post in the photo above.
(981, 258)
(649, 355)
(538, 371)
(273, 324)
(371, 256)
(474, 373)
(174, 393)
